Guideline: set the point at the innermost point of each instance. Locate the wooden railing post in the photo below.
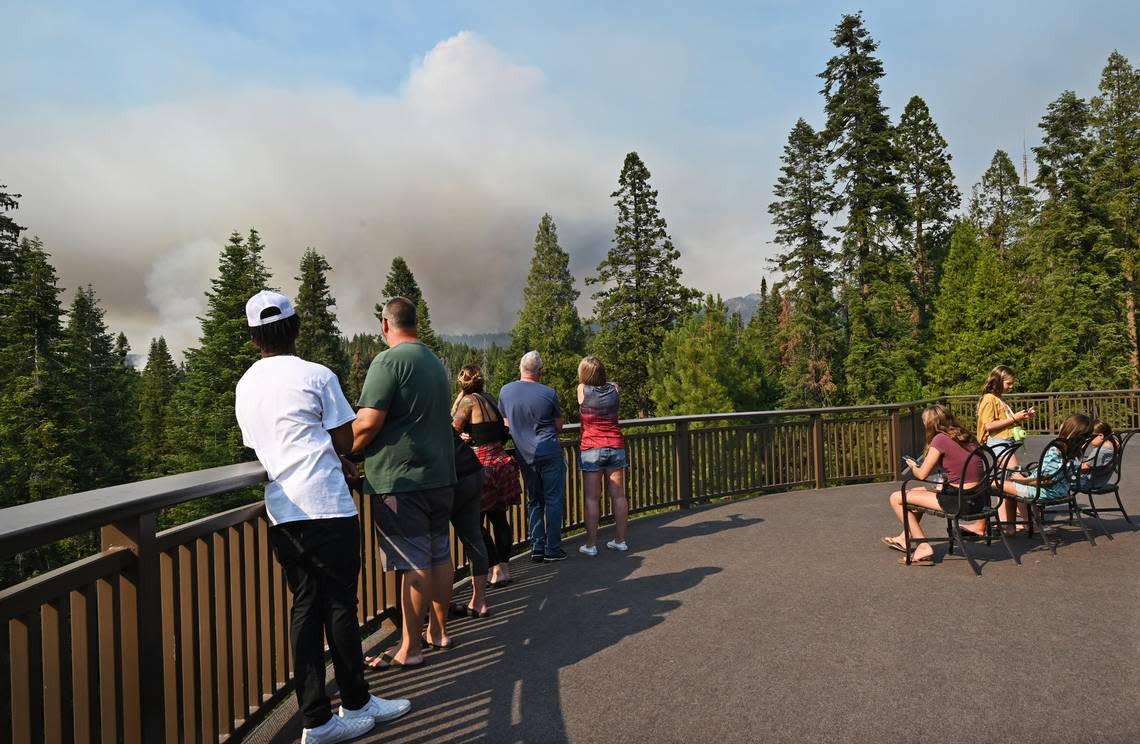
(142, 661)
(817, 449)
(683, 456)
(896, 444)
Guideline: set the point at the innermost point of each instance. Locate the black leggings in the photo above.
(498, 548)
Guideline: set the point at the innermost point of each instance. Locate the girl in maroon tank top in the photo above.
(602, 452)
(951, 446)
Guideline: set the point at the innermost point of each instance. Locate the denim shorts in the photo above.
(599, 459)
(998, 446)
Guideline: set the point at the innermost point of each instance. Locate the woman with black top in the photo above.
(479, 421)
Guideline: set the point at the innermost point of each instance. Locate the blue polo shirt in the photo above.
(530, 408)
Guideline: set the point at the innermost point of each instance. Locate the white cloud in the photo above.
(452, 172)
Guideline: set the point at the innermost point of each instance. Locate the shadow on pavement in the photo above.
(501, 681)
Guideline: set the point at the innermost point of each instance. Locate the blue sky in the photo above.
(145, 132)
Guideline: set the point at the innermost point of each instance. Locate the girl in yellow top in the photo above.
(996, 421)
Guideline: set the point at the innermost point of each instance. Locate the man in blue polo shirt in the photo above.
(531, 411)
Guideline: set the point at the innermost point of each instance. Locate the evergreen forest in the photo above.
(889, 285)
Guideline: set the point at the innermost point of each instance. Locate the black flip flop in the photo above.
(436, 646)
(389, 663)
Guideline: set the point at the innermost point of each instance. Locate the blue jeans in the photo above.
(546, 496)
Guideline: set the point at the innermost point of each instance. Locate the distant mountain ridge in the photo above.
(745, 305)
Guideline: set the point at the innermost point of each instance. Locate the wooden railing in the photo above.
(182, 634)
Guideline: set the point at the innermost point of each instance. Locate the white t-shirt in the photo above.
(285, 408)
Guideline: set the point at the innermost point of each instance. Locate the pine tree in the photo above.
(994, 330)
(700, 368)
(1063, 155)
(1077, 319)
(357, 371)
(319, 339)
(548, 320)
(99, 432)
(423, 327)
(155, 391)
(760, 352)
(643, 297)
(882, 349)
(1115, 118)
(402, 283)
(810, 337)
(859, 138)
(950, 366)
(932, 197)
(201, 429)
(1000, 206)
(34, 460)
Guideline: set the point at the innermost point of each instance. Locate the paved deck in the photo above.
(782, 618)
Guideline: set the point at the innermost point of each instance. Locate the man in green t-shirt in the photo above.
(403, 429)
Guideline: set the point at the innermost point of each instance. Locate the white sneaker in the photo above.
(378, 709)
(615, 545)
(588, 550)
(338, 729)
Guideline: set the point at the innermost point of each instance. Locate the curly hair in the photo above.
(471, 379)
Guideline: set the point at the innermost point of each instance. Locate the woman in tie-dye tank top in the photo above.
(602, 453)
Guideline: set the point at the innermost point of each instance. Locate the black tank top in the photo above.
(486, 431)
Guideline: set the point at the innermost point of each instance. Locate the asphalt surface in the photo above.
(783, 619)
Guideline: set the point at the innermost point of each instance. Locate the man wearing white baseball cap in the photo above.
(295, 417)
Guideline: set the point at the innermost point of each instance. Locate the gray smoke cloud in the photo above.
(453, 172)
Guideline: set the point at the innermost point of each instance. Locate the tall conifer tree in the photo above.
(1116, 177)
(402, 283)
(100, 432)
(932, 197)
(810, 335)
(548, 320)
(155, 391)
(882, 350)
(34, 460)
(642, 296)
(201, 429)
(319, 339)
(425, 331)
(1076, 320)
(950, 366)
(859, 138)
(993, 322)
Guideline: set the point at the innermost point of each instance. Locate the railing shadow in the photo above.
(501, 681)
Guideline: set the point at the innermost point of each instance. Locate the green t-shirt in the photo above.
(414, 450)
